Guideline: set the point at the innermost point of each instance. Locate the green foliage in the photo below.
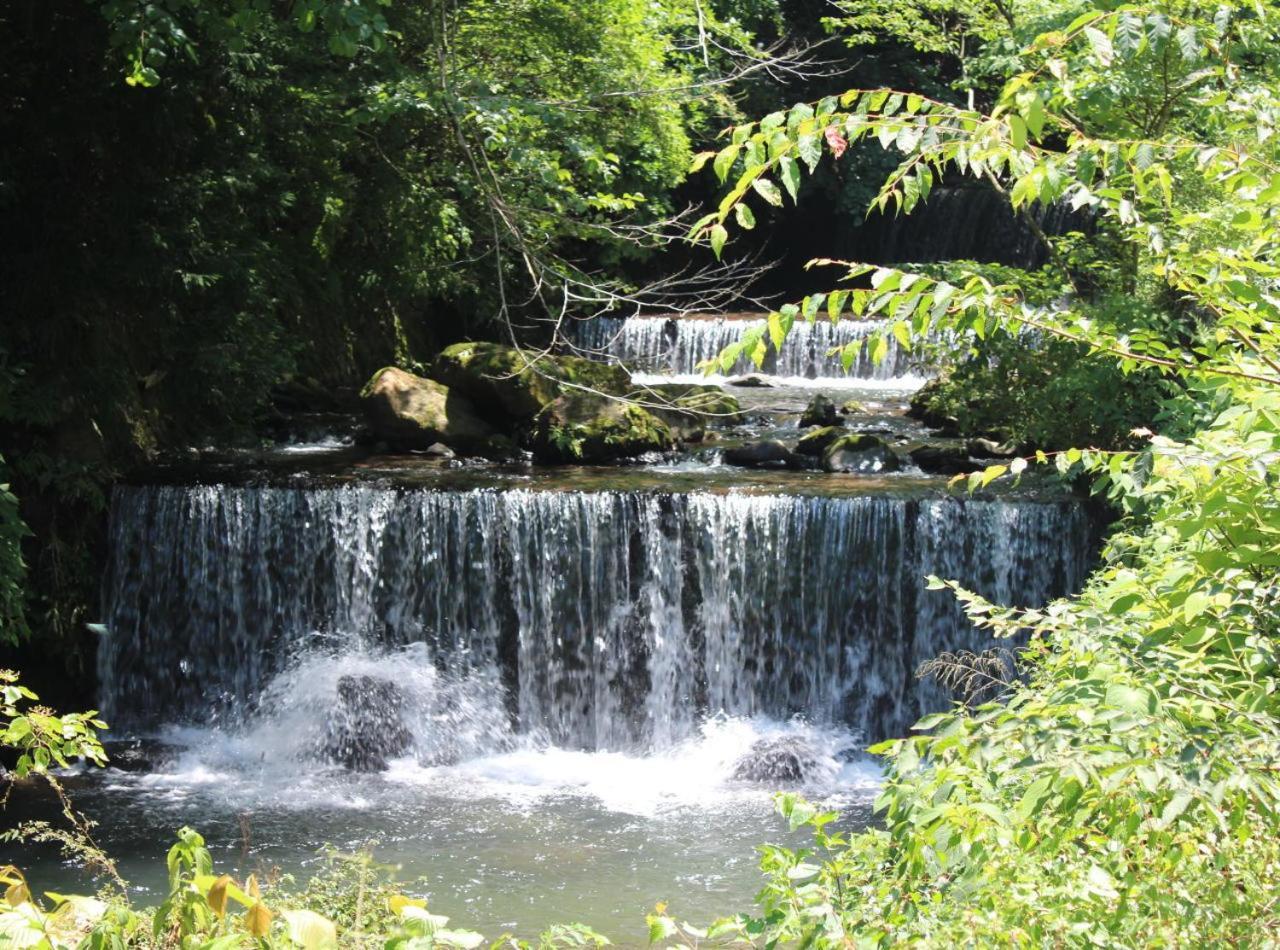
(1049, 394)
(303, 190)
(13, 569)
(42, 739)
(1125, 793)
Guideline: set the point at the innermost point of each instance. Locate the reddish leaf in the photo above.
(837, 141)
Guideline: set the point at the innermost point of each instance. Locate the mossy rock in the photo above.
(816, 441)
(507, 384)
(410, 412)
(821, 411)
(926, 407)
(860, 454)
(852, 408)
(689, 408)
(589, 428)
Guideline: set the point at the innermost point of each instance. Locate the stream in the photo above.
(587, 665)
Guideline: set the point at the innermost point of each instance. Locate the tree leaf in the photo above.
(309, 930)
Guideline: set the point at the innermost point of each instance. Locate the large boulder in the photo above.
(689, 408)
(816, 441)
(586, 427)
(860, 454)
(510, 384)
(786, 760)
(366, 725)
(410, 412)
(923, 408)
(821, 411)
(769, 453)
(941, 459)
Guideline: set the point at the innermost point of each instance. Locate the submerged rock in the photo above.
(750, 381)
(139, 755)
(585, 427)
(510, 384)
(860, 454)
(821, 411)
(769, 453)
(788, 759)
(941, 459)
(816, 442)
(366, 726)
(409, 412)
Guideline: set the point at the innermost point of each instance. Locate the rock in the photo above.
(852, 408)
(821, 411)
(139, 755)
(410, 412)
(921, 409)
(366, 726)
(750, 381)
(860, 454)
(767, 454)
(789, 759)
(692, 407)
(440, 451)
(990, 449)
(508, 384)
(711, 401)
(585, 427)
(941, 459)
(815, 442)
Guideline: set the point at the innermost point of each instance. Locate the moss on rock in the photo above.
(816, 441)
(508, 383)
(586, 427)
(410, 412)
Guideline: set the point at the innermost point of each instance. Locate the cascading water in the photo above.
(675, 347)
(592, 620)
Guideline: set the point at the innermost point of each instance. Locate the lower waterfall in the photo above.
(594, 620)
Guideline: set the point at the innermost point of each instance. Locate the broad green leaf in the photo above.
(718, 236)
(309, 930)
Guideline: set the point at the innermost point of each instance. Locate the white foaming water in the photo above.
(699, 772)
(463, 748)
(318, 447)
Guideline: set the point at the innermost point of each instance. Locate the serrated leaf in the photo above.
(789, 174)
(744, 215)
(809, 148)
(718, 236)
(724, 161)
(699, 161)
(767, 190)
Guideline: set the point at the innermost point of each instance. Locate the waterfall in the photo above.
(605, 619)
(675, 347)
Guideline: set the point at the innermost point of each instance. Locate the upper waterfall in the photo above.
(674, 347)
(599, 619)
